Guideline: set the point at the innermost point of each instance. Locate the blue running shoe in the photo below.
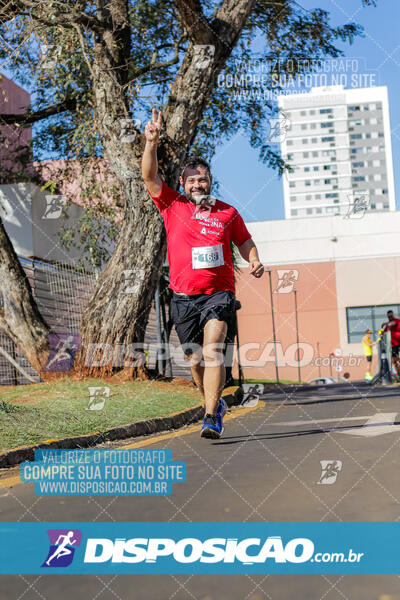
(221, 412)
(212, 427)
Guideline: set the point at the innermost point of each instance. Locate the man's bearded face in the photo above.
(197, 184)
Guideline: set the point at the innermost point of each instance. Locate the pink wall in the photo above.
(77, 180)
(317, 316)
(13, 99)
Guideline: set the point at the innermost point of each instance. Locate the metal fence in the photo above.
(61, 293)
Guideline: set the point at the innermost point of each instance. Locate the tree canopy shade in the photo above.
(96, 68)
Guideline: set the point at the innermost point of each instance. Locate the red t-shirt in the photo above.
(206, 230)
(394, 332)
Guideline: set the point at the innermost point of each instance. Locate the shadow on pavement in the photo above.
(240, 439)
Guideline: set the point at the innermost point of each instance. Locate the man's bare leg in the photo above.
(197, 370)
(214, 371)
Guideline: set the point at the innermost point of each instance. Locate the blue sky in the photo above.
(255, 189)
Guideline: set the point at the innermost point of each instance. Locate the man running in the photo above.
(199, 231)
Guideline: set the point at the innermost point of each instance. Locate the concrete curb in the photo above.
(141, 428)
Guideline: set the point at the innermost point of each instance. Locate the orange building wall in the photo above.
(317, 317)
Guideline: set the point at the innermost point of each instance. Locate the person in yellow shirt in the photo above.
(367, 347)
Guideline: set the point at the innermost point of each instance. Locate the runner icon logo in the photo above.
(251, 393)
(330, 471)
(286, 280)
(62, 547)
(98, 397)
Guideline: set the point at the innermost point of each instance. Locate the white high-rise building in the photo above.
(338, 143)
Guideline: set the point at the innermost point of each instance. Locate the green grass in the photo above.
(34, 413)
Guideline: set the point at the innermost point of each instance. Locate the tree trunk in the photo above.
(20, 318)
(114, 321)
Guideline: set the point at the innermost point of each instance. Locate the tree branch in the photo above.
(196, 25)
(135, 73)
(65, 19)
(228, 23)
(29, 117)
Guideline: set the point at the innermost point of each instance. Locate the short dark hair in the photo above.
(389, 311)
(195, 161)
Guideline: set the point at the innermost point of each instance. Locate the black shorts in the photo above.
(191, 313)
(395, 350)
(369, 358)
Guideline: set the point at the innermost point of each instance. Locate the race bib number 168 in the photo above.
(207, 257)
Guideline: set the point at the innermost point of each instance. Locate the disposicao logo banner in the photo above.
(200, 548)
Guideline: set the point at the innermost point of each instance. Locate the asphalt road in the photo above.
(267, 467)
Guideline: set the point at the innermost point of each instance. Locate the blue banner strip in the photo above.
(210, 548)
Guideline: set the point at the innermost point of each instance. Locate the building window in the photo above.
(361, 318)
(318, 196)
(326, 124)
(359, 178)
(328, 139)
(356, 136)
(290, 142)
(313, 126)
(315, 154)
(303, 113)
(354, 108)
(316, 168)
(289, 157)
(306, 169)
(304, 141)
(305, 154)
(293, 198)
(325, 111)
(292, 184)
(314, 140)
(308, 183)
(332, 195)
(308, 197)
(312, 112)
(304, 126)
(309, 211)
(318, 211)
(293, 212)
